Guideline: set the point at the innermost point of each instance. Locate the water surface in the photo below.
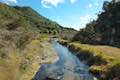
(68, 67)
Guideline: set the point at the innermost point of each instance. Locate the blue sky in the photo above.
(68, 13)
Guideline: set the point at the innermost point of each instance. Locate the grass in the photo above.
(103, 60)
(22, 64)
(110, 54)
(34, 53)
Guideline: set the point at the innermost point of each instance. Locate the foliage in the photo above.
(104, 61)
(104, 30)
(22, 30)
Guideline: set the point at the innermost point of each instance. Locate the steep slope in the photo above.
(23, 46)
(45, 25)
(105, 30)
(30, 16)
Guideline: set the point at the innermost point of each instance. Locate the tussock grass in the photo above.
(22, 64)
(104, 61)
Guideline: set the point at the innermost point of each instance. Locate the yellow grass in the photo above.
(108, 53)
(23, 64)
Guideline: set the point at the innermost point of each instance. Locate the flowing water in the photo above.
(68, 67)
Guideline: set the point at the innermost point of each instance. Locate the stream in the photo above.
(68, 67)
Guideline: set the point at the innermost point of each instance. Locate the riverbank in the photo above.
(104, 61)
(23, 64)
(44, 55)
(68, 67)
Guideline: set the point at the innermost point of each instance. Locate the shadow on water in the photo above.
(68, 67)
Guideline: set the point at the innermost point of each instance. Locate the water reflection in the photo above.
(68, 67)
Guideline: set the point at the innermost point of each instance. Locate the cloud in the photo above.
(55, 3)
(49, 3)
(96, 4)
(12, 1)
(85, 19)
(90, 5)
(9, 1)
(73, 1)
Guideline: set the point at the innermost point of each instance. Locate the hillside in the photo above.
(98, 44)
(105, 30)
(24, 42)
(32, 18)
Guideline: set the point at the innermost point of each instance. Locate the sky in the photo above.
(68, 13)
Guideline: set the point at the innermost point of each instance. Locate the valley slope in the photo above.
(24, 41)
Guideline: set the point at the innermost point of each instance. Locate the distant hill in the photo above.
(106, 29)
(9, 15)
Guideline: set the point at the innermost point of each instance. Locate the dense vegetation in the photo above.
(11, 16)
(22, 24)
(104, 30)
(22, 33)
(104, 60)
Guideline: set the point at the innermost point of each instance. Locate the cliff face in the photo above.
(104, 30)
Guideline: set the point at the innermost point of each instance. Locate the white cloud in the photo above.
(48, 3)
(97, 4)
(13, 1)
(55, 3)
(85, 19)
(73, 1)
(90, 5)
(9, 1)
